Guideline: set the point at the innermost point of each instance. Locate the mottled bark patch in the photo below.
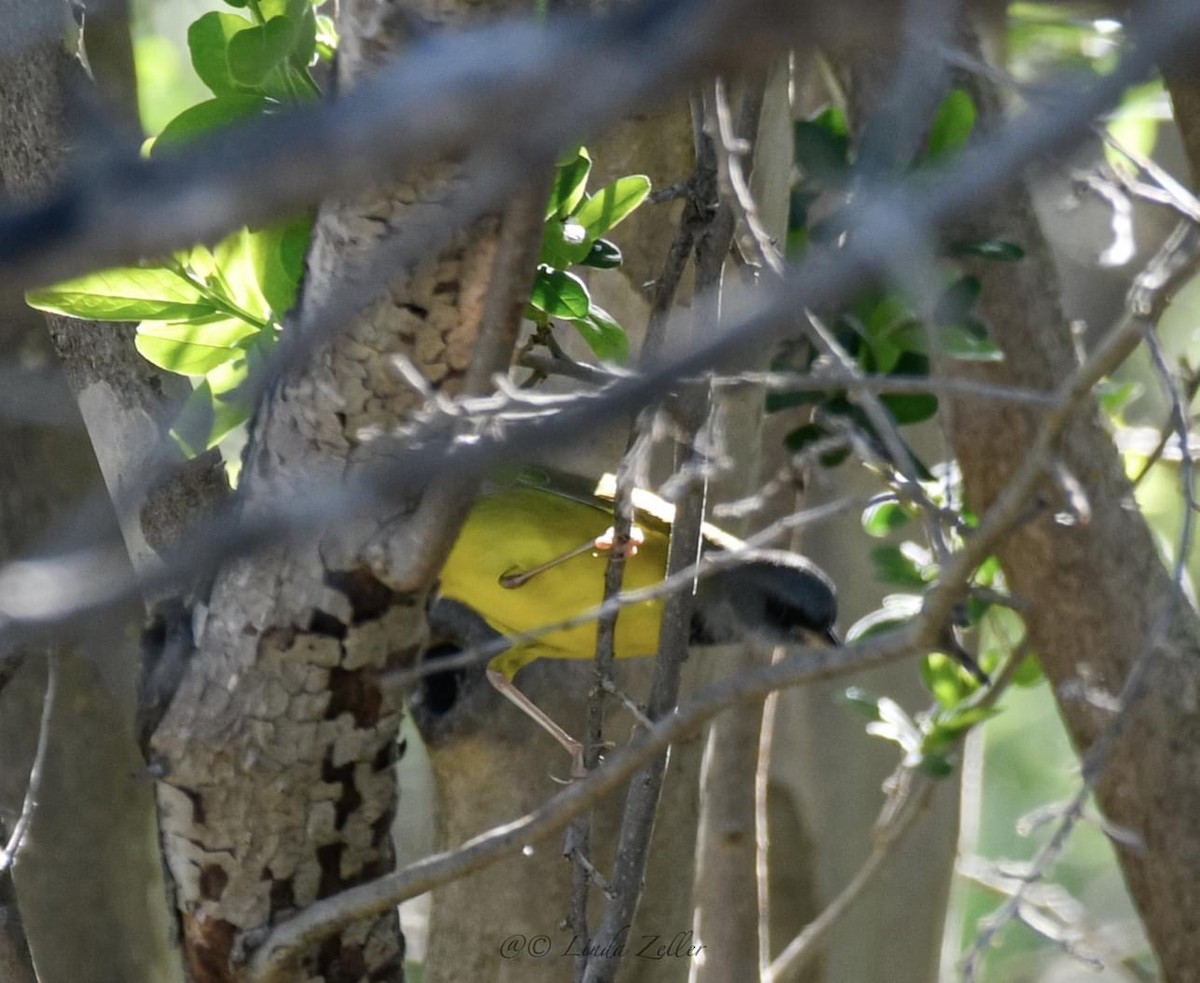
(314, 743)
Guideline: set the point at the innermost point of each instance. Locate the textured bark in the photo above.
(280, 744)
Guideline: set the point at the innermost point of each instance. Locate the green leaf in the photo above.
(215, 407)
(208, 40)
(969, 342)
(946, 680)
(810, 433)
(952, 724)
(1135, 124)
(910, 408)
(1029, 672)
(1115, 396)
(204, 419)
(936, 766)
(957, 300)
(278, 255)
(878, 622)
(786, 401)
(304, 43)
(604, 336)
(560, 294)
(864, 701)
(132, 293)
(822, 147)
(882, 519)
(326, 37)
(254, 53)
(237, 275)
(192, 349)
(205, 117)
(570, 181)
(563, 244)
(893, 567)
(611, 204)
(603, 255)
(994, 249)
(952, 125)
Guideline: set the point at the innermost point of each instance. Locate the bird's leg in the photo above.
(506, 688)
(605, 541)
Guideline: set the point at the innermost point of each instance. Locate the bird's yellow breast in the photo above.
(517, 529)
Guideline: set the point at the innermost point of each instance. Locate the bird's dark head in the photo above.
(773, 595)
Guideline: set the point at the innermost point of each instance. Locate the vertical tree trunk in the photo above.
(280, 744)
(89, 880)
(1102, 599)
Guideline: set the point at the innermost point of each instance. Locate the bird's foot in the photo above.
(607, 540)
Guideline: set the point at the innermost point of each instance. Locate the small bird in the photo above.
(535, 551)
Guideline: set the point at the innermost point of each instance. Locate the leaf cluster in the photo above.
(576, 224)
(882, 329)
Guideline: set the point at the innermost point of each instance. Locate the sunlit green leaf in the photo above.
(947, 681)
(570, 181)
(192, 349)
(559, 294)
(208, 41)
(884, 518)
(205, 117)
(564, 244)
(611, 204)
(326, 37)
(131, 293)
(1135, 124)
(254, 53)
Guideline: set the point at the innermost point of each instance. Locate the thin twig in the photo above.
(904, 812)
(711, 232)
(13, 847)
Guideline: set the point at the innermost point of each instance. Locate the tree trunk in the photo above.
(1099, 591)
(280, 743)
(89, 879)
